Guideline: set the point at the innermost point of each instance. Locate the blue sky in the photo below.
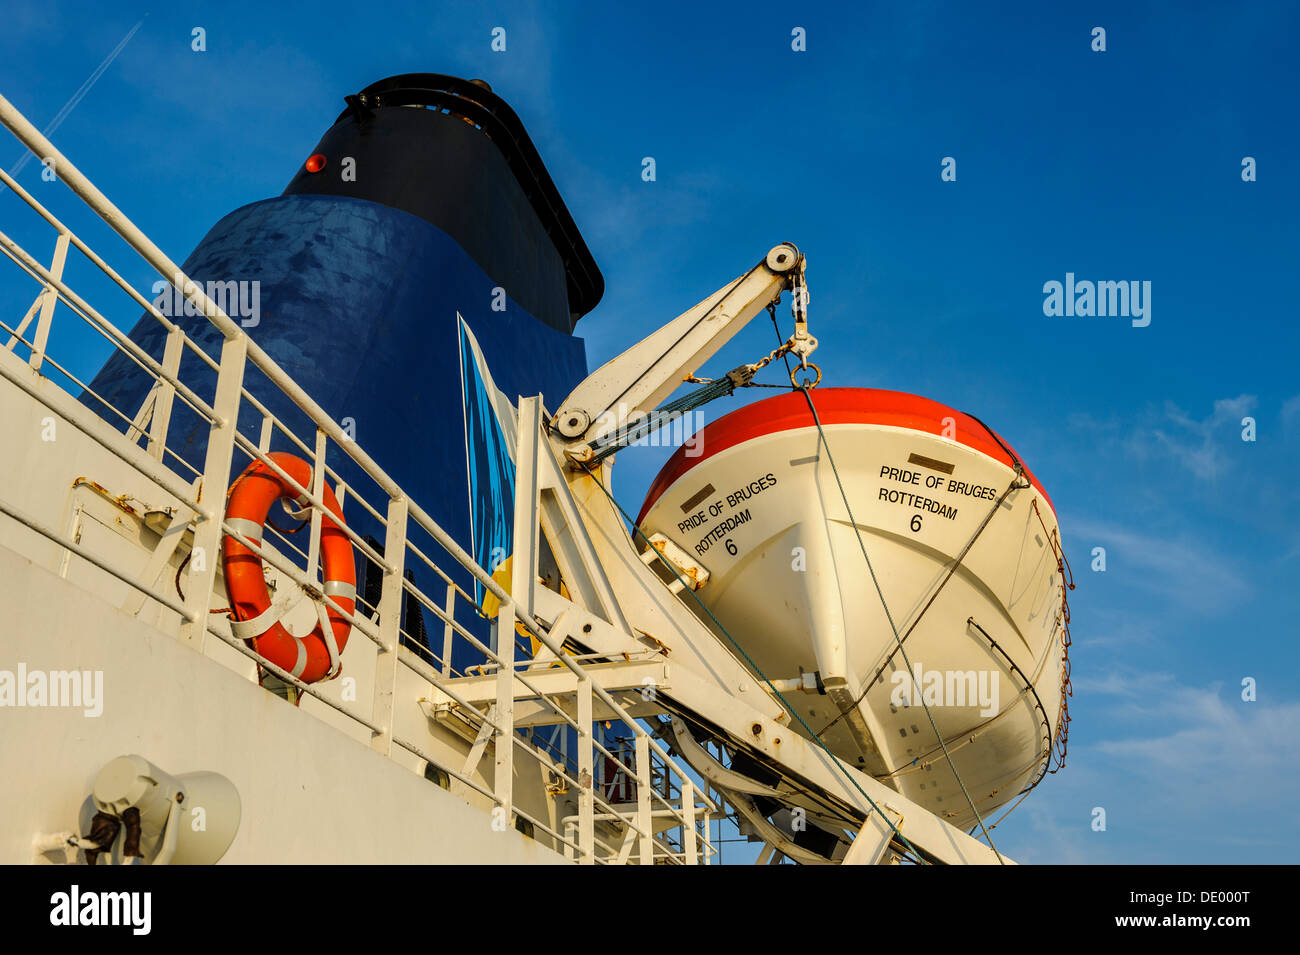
(1117, 165)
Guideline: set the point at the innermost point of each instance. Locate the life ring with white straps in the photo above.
(255, 620)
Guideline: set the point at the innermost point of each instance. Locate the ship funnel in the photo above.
(421, 231)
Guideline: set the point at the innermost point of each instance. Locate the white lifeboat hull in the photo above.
(760, 508)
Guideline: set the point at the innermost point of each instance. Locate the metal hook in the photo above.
(808, 383)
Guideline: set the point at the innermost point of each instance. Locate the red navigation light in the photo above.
(315, 163)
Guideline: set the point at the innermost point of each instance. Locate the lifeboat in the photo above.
(897, 575)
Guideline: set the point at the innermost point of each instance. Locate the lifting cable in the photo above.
(631, 433)
(721, 387)
(1015, 485)
(748, 659)
(714, 388)
(807, 393)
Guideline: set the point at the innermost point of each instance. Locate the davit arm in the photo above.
(633, 384)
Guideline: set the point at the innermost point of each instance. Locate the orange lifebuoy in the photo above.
(315, 656)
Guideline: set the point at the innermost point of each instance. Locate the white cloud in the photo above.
(1112, 628)
(1205, 744)
(1291, 412)
(1194, 443)
(1180, 569)
(1185, 774)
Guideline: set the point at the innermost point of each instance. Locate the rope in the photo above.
(1067, 688)
(1013, 806)
(934, 726)
(951, 572)
(712, 390)
(960, 557)
(748, 659)
(776, 327)
(1067, 580)
(740, 377)
(1037, 699)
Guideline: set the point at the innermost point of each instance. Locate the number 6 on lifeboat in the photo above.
(315, 656)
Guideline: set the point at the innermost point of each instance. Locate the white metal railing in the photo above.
(644, 824)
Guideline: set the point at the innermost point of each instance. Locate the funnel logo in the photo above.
(946, 688)
(239, 300)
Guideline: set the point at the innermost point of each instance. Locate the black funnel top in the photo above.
(455, 154)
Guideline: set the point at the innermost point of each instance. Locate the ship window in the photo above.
(437, 775)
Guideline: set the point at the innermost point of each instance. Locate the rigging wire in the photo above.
(748, 659)
(776, 327)
(723, 387)
(951, 572)
(807, 393)
(1067, 688)
(1030, 687)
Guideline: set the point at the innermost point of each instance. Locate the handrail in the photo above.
(223, 414)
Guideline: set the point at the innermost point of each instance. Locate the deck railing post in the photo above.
(206, 555)
(643, 783)
(448, 631)
(390, 621)
(317, 488)
(166, 393)
(42, 334)
(503, 738)
(527, 517)
(586, 777)
(690, 839)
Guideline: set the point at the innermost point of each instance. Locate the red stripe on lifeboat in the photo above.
(788, 412)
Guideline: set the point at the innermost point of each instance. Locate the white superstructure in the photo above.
(110, 572)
